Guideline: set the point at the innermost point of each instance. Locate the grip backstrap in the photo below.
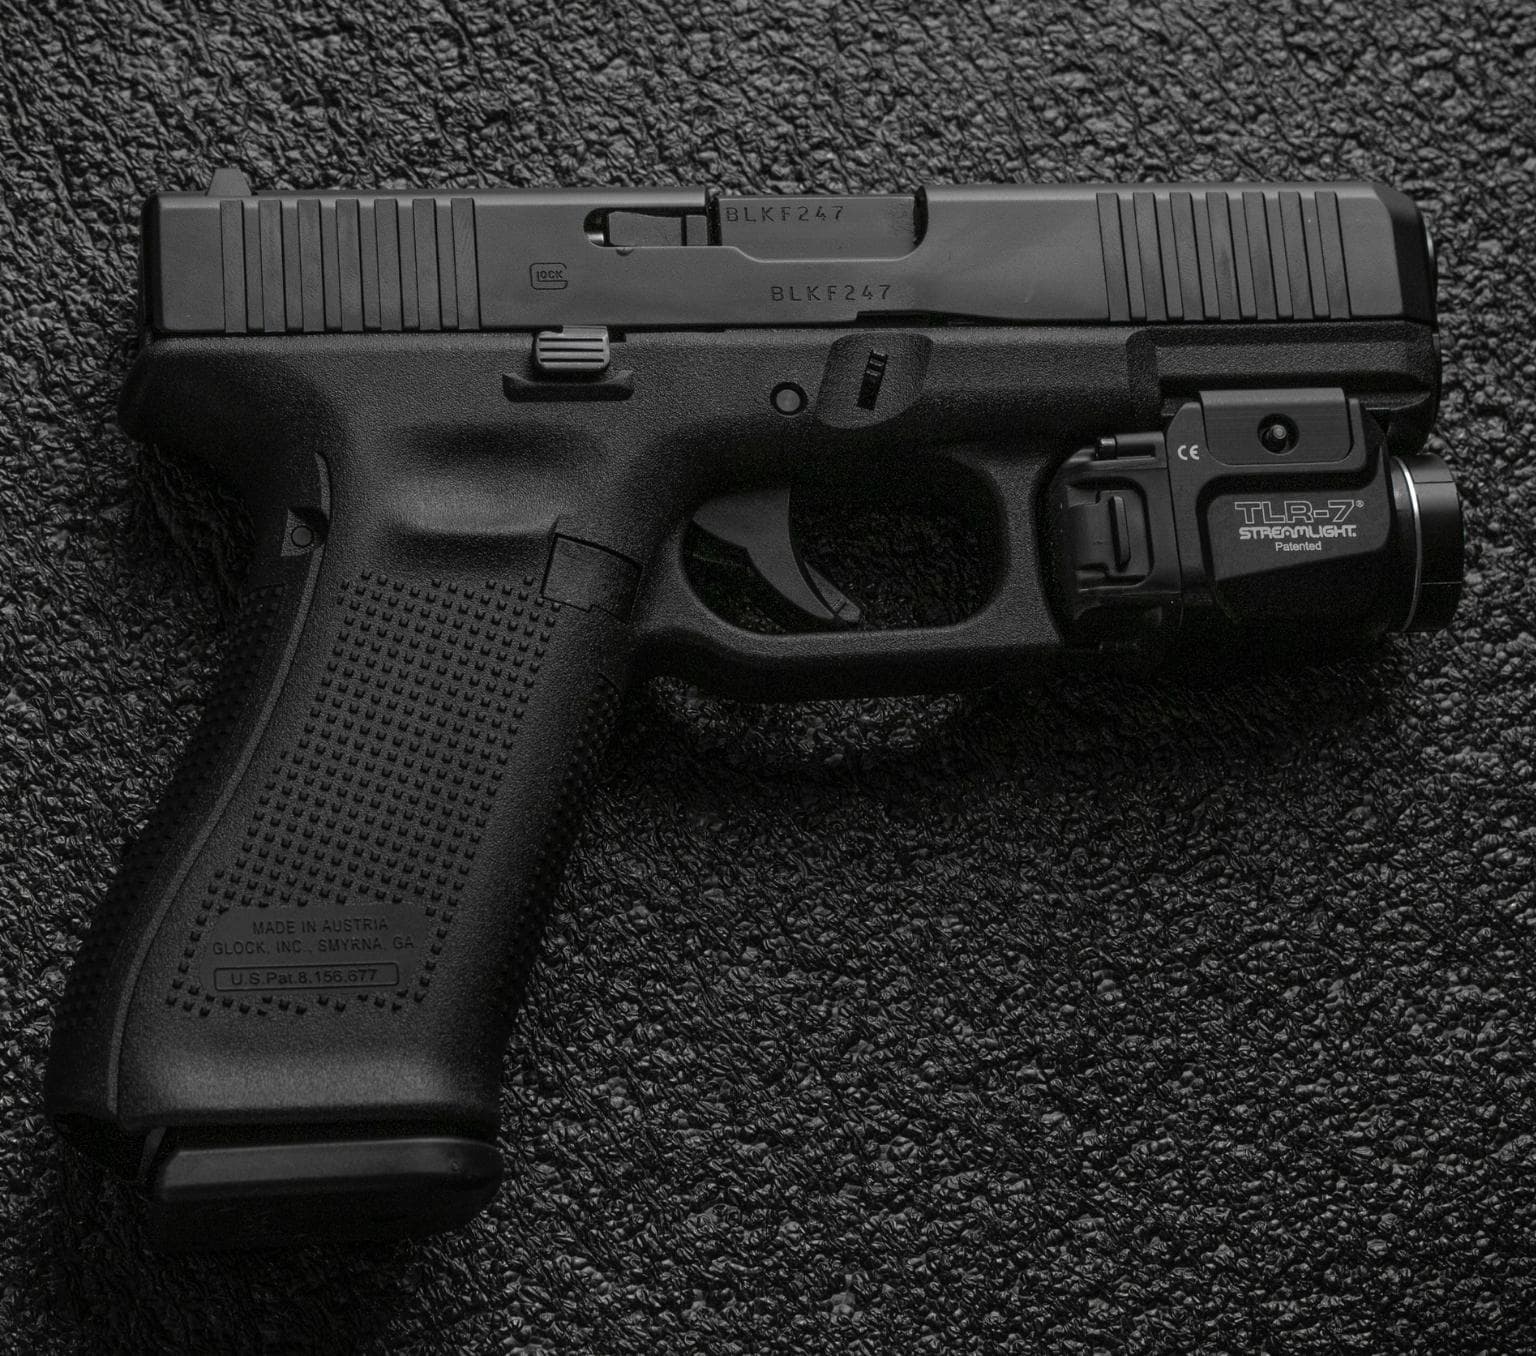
(85, 1023)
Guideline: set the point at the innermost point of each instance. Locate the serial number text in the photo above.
(774, 213)
(829, 292)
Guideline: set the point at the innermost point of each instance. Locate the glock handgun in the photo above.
(483, 436)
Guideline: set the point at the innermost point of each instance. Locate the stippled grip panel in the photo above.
(344, 883)
(341, 943)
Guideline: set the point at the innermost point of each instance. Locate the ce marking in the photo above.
(1188, 452)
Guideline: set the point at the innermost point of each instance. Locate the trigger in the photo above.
(757, 522)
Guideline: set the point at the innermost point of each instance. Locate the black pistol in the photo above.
(481, 435)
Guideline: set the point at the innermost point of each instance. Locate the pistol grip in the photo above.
(290, 1014)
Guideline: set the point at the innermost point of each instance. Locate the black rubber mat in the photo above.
(1195, 1015)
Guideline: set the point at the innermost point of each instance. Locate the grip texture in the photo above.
(387, 790)
(330, 934)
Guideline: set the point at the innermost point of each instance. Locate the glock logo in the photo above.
(547, 277)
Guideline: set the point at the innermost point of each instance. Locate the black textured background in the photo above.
(1095, 1017)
